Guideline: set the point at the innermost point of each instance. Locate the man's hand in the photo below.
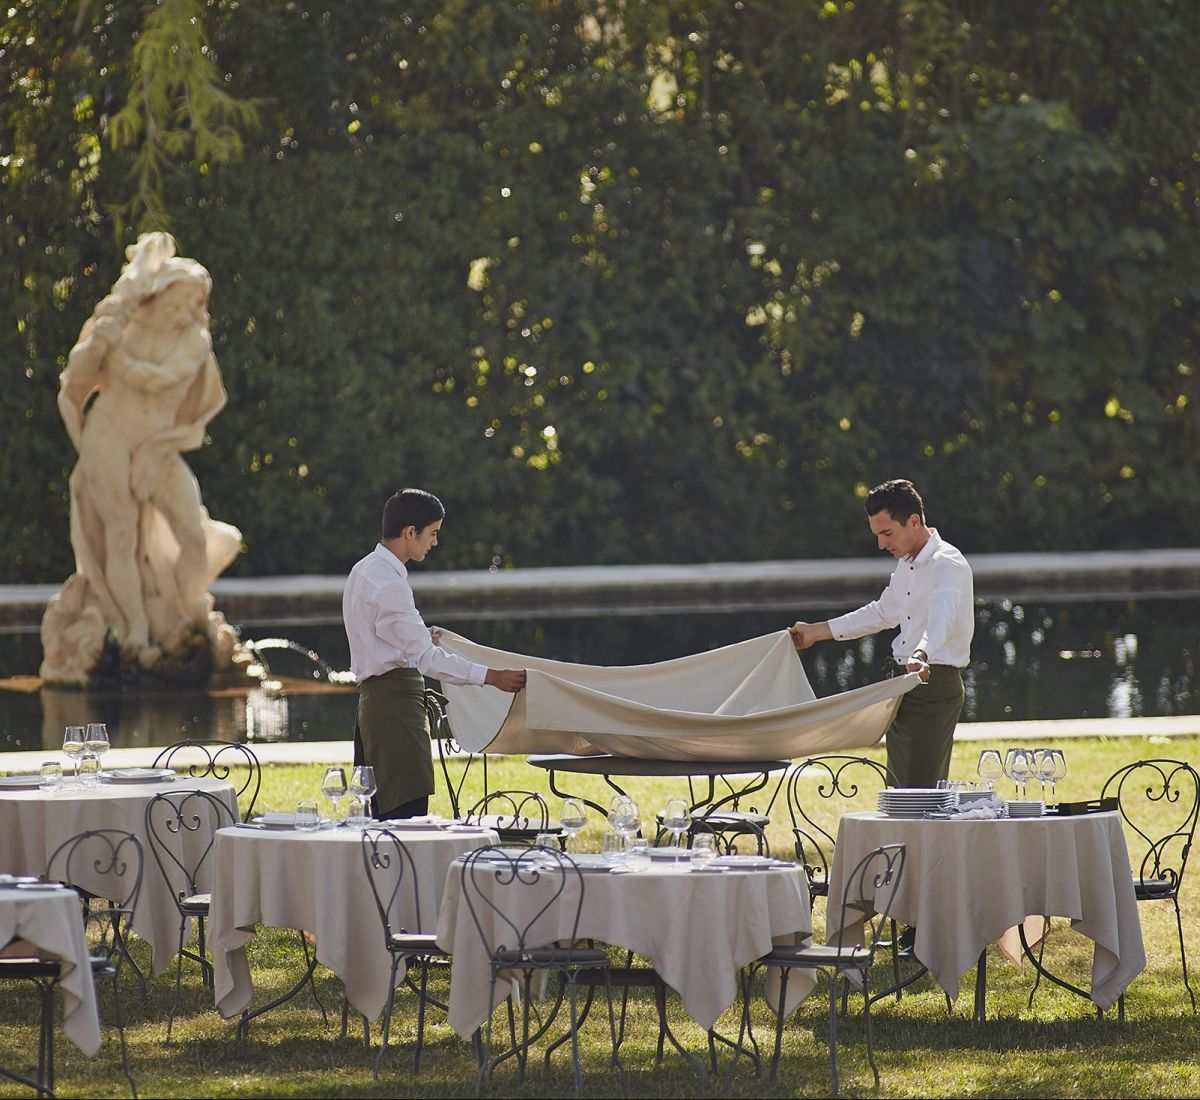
(506, 679)
(915, 664)
(808, 634)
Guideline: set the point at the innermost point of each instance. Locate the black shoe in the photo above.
(907, 939)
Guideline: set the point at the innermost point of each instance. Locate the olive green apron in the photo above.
(394, 731)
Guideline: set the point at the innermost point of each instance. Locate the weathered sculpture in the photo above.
(141, 385)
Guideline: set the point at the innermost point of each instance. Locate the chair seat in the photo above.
(550, 957)
(819, 954)
(414, 943)
(1148, 889)
(197, 905)
(30, 966)
(734, 818)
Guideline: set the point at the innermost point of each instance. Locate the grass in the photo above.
(1057, 1049)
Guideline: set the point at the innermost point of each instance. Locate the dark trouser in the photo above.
(921, 737)
(417, 807)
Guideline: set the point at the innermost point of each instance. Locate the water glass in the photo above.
(307, 818)
(51, 777)
(637, 855)
(704, 850)
(612, 847)
(550, 841)
(88, 769)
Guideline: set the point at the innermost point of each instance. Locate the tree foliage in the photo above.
(673, 280)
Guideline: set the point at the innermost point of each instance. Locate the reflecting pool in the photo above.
(1036, 660)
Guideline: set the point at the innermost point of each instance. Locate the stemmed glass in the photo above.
(572, 818)
(95, 739)
(624, 816)
(676, 818)
(333, 786)
(75, 745)
(1059, 772)
(990, 767)
(362, 786)
(1016, 767)
(1043, 768)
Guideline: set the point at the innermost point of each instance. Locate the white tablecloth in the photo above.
(317, 882)
(52, 922)
(697, 930)
(967, 883)
(33, 824)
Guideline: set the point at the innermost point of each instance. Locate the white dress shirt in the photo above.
(386, 630)
(931, 599)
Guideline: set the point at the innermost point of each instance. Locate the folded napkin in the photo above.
(980, 810)
(277, 817)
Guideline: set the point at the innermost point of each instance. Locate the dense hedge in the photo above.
(644, 281)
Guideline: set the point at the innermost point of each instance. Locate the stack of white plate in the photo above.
(1032, 808)
(913, 801)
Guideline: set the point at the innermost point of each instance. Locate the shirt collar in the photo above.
(929, 549)
(383, 552)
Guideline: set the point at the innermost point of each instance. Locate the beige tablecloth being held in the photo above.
(51, 921)
(750, 700)
(697, 930)
(966, 883)
(33, 824)
(317, 882)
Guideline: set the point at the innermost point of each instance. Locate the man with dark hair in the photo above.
(391, 653)
(931, 599)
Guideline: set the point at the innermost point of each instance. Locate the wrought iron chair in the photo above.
(202, 758)
(876, 878)
(449, 749)
(518, 816)
(115, 856)
(537, 882)
(393, 879)
(192, 819)
(1158, 801)
(731, 842)
(839, 780)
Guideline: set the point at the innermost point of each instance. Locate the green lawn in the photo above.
(1058, 1048)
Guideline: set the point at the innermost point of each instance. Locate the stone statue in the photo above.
(140, 387)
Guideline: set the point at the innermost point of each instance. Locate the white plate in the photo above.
(676, 854)
(744, 863)
(19, 782)
(138, 775)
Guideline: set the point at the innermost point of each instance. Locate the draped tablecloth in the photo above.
(33, 824)
(968, 883)
(51, 921)
(750, 700)
(696, 929)
(316, 882)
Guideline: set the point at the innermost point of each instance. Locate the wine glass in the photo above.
(1043, 767)
(990, 767)
(676, 818)
(624, 816)
(362, 786)
(333, 786)
(74, 745)
(1060, 772)
(572, 818)
(95, 739)
(1019, 770)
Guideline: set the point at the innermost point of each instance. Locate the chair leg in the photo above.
(421, 1015)
(570, 979)
(387, 1016)
(784, 971)
(833, 1017)
(1182, 953)
(870, 1035)
(121, 1032)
